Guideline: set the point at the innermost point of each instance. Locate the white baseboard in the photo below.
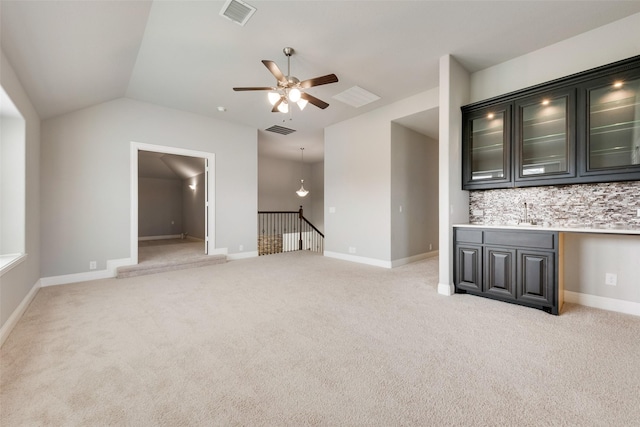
(17, 313)
(169, 236)
(414, 258)
(242, 255)
(359, 259)
(446, 289)
(604, 303)
(109, 272)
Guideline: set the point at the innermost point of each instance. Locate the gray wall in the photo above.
(16, 283)
(159, 207)
(278, 180)
(316, 216)
(358, 180)
(414, 193)
(193, 206)
(86, 162)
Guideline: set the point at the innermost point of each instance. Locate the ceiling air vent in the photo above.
(237, 11)
(356, 97)
(280, 129)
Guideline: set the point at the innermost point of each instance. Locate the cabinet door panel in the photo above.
(545, 136)
(535, 277)
(500, 272)
(486, 147)
(468, 270)
(611, 126)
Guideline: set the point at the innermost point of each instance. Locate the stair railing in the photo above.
(287, 231)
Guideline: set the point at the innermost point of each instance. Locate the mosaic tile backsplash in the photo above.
(606, 205)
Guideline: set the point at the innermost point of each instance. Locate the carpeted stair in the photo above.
(179, 264)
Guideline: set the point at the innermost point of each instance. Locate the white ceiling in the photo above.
(183, 54)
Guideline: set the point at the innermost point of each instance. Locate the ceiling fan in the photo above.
(289, 89)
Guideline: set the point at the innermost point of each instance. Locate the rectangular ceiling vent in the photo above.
(237, 11)
(356, 97)
(280, 129)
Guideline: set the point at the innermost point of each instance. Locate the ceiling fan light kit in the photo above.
(290, 89)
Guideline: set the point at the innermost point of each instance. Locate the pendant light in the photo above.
(302, 192)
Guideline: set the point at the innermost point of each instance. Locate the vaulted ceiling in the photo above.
(183, 54)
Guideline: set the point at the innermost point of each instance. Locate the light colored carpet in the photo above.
(297, 339)
(157, 256)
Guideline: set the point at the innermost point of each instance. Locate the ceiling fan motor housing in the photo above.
(288, 83)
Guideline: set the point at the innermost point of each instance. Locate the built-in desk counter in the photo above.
(562, 229)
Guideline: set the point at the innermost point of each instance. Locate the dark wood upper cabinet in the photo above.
(611, 126)
(579, 129)
(545, 138)
(487, 147)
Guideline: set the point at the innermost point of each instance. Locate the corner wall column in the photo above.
(453, 201)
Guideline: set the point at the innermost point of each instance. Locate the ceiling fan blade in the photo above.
(273, 67)
(313, 100)
(276, 105)
(253, 88)
(329, 78)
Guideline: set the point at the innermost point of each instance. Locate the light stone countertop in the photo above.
(565, 229)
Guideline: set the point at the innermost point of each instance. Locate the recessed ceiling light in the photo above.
(617, 85)
(222, 109)
(545, 102)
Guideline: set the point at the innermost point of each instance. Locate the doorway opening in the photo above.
(172, 203)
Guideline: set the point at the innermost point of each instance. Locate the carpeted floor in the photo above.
(299, 339)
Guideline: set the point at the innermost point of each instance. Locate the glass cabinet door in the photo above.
(545, 139)
(613, 125)
(486, 147)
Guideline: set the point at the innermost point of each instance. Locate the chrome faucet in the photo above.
(526, 220)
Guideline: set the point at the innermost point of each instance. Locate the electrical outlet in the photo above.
(638, 213)
(400, 209)
(241, 248)
(332, 210)
(93, 265)
(352, 250)
(477, 212)
(430, 246)
(611, 279)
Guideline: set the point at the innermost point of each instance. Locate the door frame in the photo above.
(209, 204)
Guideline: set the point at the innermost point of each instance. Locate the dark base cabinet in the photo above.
(517, 266)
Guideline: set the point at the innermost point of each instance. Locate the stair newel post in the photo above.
(300, 216)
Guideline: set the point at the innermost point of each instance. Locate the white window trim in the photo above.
(8, 262)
